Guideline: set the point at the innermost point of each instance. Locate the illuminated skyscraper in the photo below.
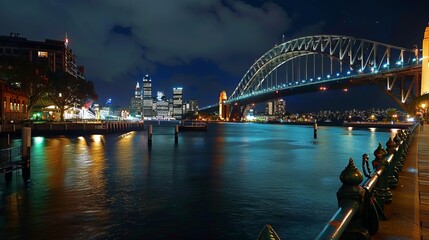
(275, 107)
(136, 103)
(147, 97)
(162, 110)
(177, 103)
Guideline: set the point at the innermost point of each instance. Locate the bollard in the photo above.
(176, 133)
(392, 171)
(149, 132)
(382, 191)
(26, 145)
(315, 129)
(351, 193)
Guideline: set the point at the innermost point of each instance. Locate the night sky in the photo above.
(206, 46)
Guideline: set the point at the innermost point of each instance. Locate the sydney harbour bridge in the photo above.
(324, 62)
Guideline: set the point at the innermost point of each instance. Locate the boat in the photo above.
(193, 126)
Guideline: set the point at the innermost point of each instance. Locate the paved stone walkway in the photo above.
(408, 213)
(423, 176)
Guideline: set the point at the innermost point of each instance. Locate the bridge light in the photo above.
(296, 82)
(329, 76)
(360, 70)
(311, 79)
(398, 62)
(303, 81)
(338, 74)
(318, 78)
(421, 59)
(414, 59)
(385, 65)
(348, 72)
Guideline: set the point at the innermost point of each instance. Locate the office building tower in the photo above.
(161, 104)
(147, 97)
(177, 103)
(275, 107)
(136, 103)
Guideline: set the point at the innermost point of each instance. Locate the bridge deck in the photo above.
(408, 214)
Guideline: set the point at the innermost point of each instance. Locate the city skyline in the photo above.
(205, 47)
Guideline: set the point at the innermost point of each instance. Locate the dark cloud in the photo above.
(116, 38)
(120, 41)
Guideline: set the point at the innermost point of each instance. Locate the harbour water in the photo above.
(226, 183)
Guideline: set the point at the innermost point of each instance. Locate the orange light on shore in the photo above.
(345, 89)
(323, 88)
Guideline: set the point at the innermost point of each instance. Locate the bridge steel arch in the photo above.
(356, 58)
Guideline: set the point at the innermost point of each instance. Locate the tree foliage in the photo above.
(36, 81)
(31, 78)
(65, 90)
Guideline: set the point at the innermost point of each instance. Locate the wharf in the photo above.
(378, 124)
(408, 213)
(72, 128)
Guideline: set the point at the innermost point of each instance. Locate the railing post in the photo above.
(382, 191)
(351, 193)
(399, 153)
(392, 176)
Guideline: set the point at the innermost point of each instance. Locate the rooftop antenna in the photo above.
(66, 42)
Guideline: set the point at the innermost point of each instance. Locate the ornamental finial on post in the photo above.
(351, 175)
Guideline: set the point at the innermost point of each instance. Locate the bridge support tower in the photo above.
(223, 108)
(425, 63)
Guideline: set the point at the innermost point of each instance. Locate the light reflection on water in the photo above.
(226, 183)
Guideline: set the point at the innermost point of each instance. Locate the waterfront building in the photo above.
(147, 97)
(177, 103)
(14, 105)
(136, 103)
(55, 55)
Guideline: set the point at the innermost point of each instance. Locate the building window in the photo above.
(4, 105)
(42, 54)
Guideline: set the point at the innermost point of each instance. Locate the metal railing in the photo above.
(361, 206)
(9, 155)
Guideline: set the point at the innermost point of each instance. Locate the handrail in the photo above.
(339, 221)
(343, 216)
(361, 204)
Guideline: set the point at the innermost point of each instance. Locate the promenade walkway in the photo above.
(408, 214)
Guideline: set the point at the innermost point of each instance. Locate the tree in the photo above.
(65, 90)
(31, 78)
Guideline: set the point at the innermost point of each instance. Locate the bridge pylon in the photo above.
(425, 63)
(223, 108)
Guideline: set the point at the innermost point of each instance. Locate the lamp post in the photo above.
(423, 105)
